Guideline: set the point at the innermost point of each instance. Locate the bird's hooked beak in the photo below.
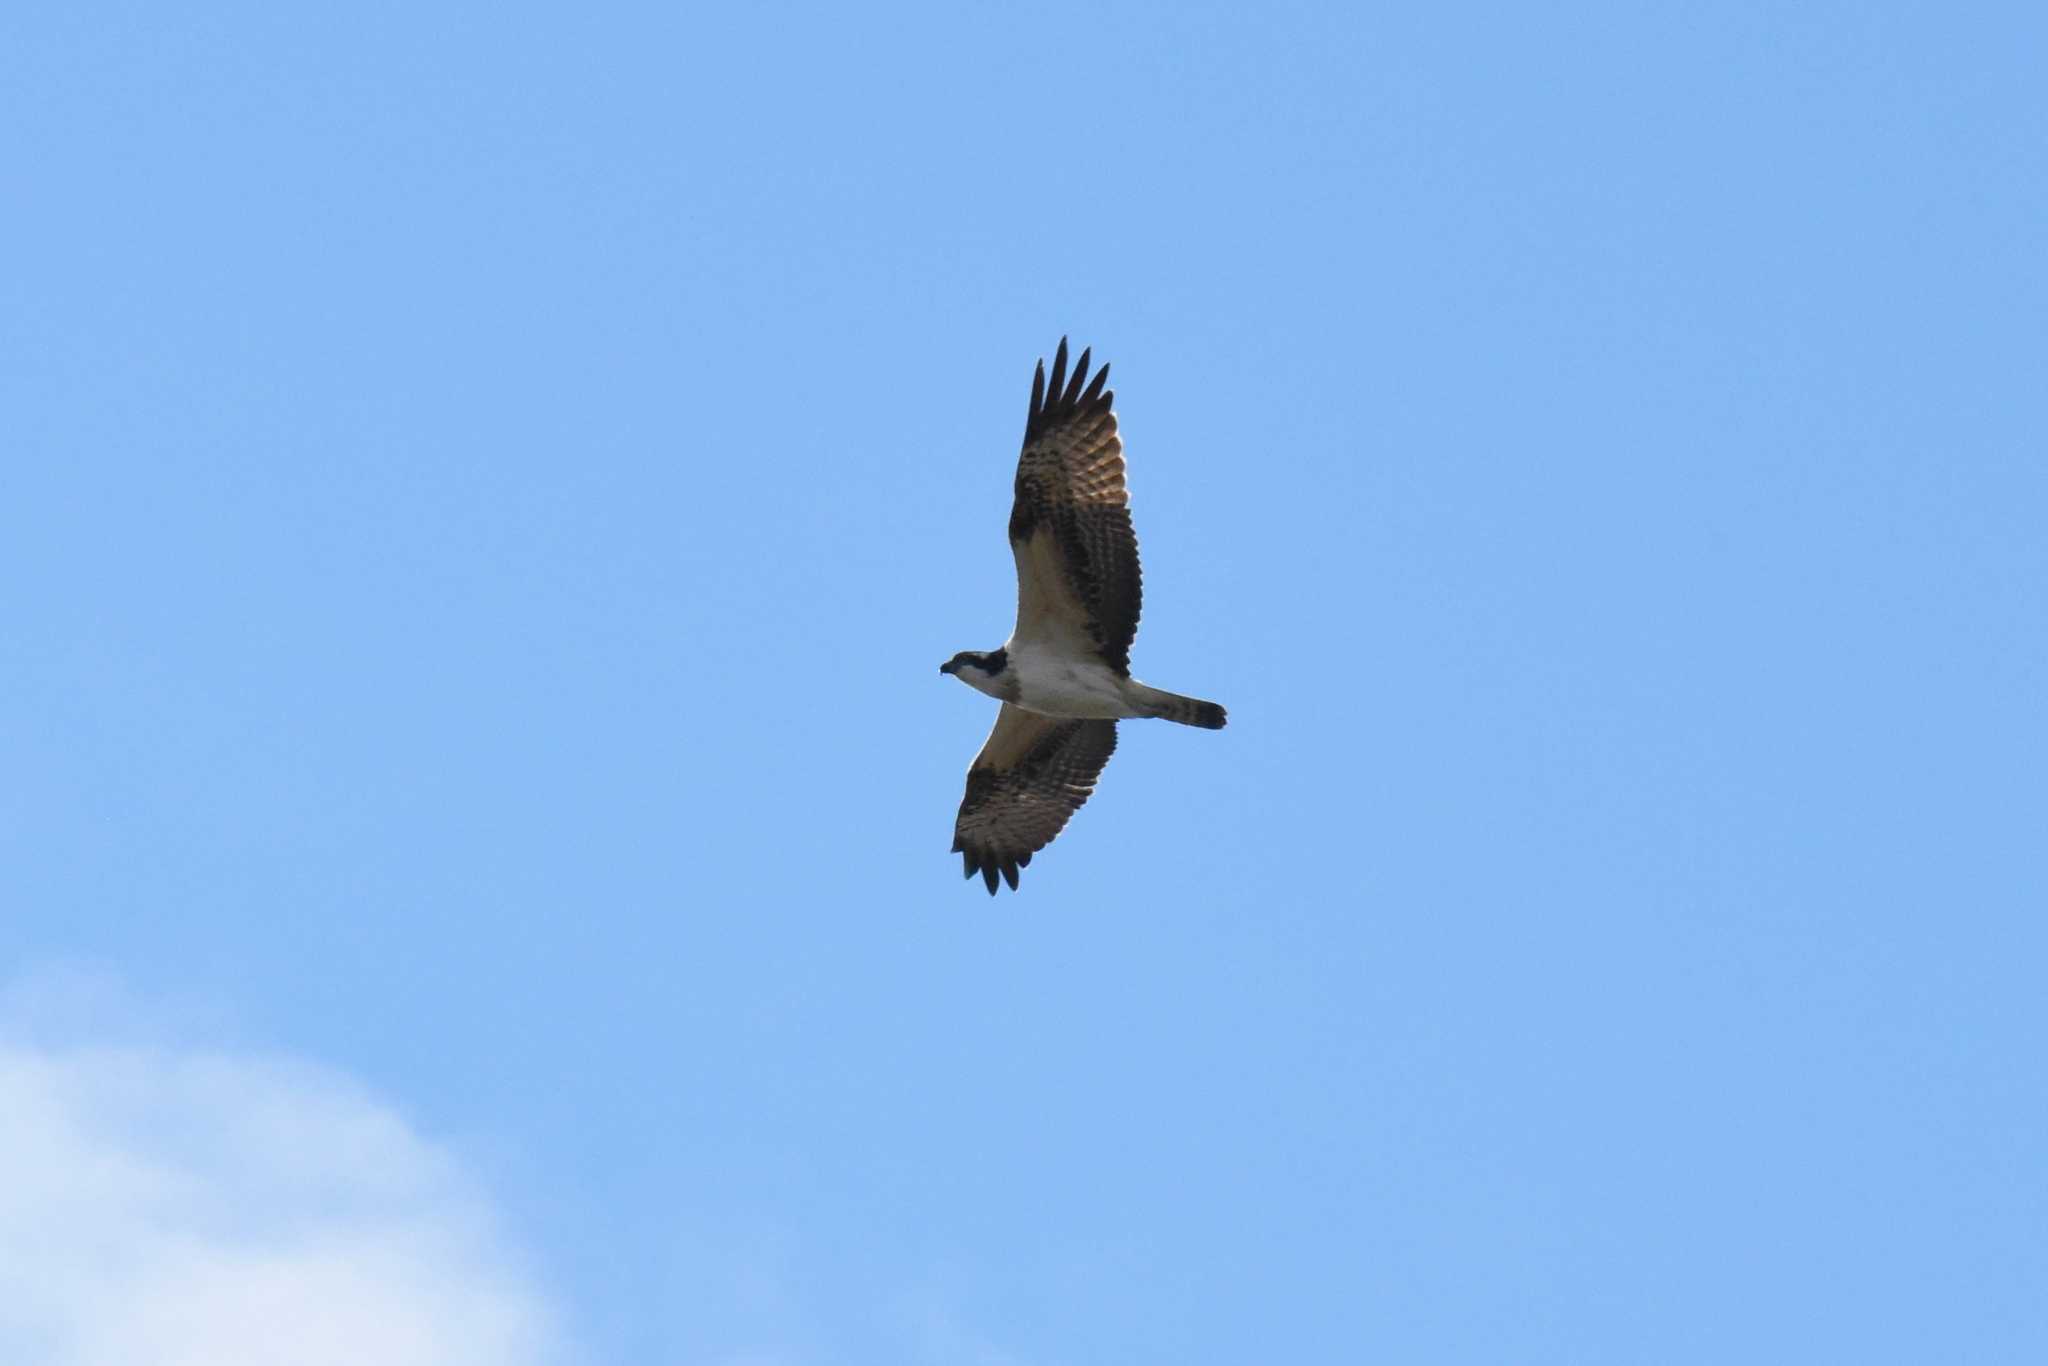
(949, 667)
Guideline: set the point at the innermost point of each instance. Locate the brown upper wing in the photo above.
(1030, 777)
(1078, 583)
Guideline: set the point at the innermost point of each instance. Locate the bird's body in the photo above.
(1064, 674)
(1054, 684)
(1051, 683)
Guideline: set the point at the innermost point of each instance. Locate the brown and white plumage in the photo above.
(1070, 525)
(1064, 675)
(1031, 776)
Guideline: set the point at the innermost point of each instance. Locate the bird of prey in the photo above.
(1064, 675)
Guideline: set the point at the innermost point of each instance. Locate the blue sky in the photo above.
(484, 490)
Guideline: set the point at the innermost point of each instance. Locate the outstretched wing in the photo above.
(1030, 777)
(1078, 585)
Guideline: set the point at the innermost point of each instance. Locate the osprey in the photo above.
(1064, 675)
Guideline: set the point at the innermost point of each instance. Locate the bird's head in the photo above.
(976, 668)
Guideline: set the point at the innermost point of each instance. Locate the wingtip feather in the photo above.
(1073, 393)
(1094, 390)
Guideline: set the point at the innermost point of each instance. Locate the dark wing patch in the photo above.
(1070, 485)
(1034, 773)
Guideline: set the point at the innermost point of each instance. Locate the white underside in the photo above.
(1060, 685)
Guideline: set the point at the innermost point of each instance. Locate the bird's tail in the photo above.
(1189, 711)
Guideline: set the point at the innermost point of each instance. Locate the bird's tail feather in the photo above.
(1171, 706)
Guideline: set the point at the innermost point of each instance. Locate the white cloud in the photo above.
(176, 1207)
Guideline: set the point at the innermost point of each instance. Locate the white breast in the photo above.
(1061, 685)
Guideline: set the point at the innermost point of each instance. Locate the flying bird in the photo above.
(1064, 675)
